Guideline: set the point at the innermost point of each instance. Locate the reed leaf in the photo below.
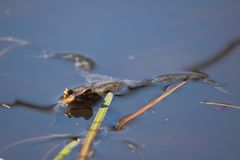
(92, 132)
(67, 149)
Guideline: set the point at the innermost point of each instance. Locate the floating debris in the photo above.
(131, 145)
(220, 104)
(42, 138)
(46, 156)
(7, 49)
(14, 40)
(6, 106)
(17, 43)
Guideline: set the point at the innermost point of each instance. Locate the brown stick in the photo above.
(127, 119)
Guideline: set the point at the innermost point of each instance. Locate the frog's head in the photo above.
(68, 96)
(77, 97)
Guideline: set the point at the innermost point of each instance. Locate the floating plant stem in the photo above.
(46, 156)
(92, 132)
(6, 106)
(67, 149)
(220, 104)
(34, 139)
(127, 119)
(17, 43)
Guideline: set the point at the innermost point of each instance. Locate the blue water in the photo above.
(130, 40)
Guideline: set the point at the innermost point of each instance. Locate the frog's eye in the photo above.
(86, 91)
(67, 92)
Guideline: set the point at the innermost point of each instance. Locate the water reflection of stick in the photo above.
(220, 104)
(216, 58)
(127, 119)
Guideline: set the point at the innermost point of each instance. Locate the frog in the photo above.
(88, 95)
(94, 92)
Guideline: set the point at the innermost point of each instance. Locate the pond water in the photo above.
(129, 40)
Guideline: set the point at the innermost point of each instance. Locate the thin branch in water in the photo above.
(7, 49)
(17, 43)
(22, 103)
(52, 136)
(129, 118)
(220, 104)
(92, 132)
(6, 106)
(215, 58)
(14, 40)
(45, 157)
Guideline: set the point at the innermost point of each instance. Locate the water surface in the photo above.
(130, 40)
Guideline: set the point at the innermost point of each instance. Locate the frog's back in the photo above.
(117, 88)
